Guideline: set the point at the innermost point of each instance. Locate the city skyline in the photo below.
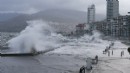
(31, 6)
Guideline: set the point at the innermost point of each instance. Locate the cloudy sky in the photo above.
(32, 6)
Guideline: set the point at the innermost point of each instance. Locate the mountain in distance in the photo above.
(63, 16)
(19, 22)
(8, 16)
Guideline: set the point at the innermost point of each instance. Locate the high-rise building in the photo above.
(112, 9)
(91, 14)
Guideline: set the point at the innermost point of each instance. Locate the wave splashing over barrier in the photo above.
(41, 36)
(37, 35)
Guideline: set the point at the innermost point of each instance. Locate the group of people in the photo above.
(111, 53)
(108, 48)
(89, 63)
(121, 53)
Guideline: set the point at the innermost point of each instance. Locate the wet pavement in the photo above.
(40, 64)
(61, 64)
(113, 65)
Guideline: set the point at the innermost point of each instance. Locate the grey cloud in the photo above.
(36, 5)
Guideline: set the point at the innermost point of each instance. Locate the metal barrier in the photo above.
(16, 54)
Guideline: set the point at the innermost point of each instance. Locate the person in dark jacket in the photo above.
(122, 53)
(128, 50)
(96, 58)
(82, 69)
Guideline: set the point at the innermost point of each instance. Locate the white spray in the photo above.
(41, 36)
(37, 35)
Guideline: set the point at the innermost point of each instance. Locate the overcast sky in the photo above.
(32, 6)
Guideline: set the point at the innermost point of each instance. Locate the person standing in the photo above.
(96, 58)
(112, 52)
(89, 63)
(122, 53)
(128, 50)
(82, 69)
(108, 53)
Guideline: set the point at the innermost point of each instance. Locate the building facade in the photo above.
(118, 27)
(112, 9)
(91, 14)
(80, 29)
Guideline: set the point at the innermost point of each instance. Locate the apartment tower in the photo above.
(91, 14)
(112, 9)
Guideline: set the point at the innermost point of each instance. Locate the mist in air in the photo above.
(41, 36)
